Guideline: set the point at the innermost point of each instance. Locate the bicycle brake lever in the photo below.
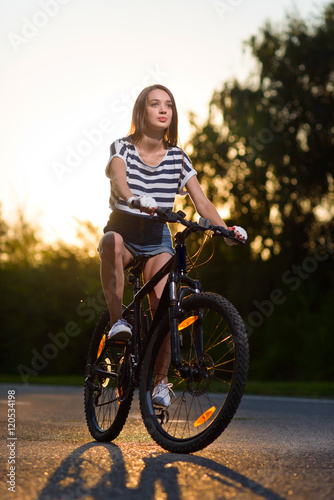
(167, 215)
(222, 231)
(164, 214)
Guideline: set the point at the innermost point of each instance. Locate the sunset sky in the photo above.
(70, 72)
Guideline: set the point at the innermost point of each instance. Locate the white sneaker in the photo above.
(121, 330)
(160, 396)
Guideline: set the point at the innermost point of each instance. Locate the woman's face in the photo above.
(158, 115)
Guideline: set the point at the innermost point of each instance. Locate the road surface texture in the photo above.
(274, 449)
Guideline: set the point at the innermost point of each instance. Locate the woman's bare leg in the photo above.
(114, 257)
(163, 360)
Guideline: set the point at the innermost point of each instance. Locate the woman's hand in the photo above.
(145, 204)
(239, 232)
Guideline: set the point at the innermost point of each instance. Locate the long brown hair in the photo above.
(138, 117)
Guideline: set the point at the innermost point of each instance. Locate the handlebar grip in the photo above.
(227, 234)
(133, 202)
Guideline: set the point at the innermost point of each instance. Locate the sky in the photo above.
(70, 71)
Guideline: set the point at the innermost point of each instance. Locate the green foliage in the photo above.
(266, 151)
(270, 148)
(48, 293)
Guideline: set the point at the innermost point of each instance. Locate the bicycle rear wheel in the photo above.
(214, 351)
(107, 399)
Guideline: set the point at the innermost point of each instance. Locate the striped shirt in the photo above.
(162, 182)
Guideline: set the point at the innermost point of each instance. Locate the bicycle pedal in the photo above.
(91, 386)
(162, 415)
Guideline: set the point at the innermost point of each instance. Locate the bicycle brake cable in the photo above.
(197, 254)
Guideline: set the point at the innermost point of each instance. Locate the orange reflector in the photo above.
(101, 345)
(187, 322)
(206, 415)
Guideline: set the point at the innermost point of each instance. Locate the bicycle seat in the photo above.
(136, 266)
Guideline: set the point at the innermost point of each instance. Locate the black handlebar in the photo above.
(167, 215)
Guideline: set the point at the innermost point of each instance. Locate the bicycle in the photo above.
(209, 356)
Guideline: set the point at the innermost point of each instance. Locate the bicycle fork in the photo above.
(175, 310)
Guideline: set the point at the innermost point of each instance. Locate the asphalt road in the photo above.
(275, 448)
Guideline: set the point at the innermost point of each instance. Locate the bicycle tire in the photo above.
(107, 402)
(206, 400)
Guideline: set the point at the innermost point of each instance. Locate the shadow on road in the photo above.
(99, 469)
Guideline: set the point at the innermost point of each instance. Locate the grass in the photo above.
(296, 389)
(266, 388)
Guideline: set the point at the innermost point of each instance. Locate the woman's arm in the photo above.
(118, 179)
(202, 205)
(117, 171)
(207, 210)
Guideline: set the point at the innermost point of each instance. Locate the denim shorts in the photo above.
(141, 235)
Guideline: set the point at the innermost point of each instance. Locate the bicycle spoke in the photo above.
(106, 406)
(198, 412)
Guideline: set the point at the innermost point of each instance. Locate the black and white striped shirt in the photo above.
(162, 182)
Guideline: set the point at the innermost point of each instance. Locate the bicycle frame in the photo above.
(176, 269)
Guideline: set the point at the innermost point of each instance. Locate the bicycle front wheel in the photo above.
(214, 350)
(109, 384)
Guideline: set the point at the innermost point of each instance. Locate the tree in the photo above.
(47, 290)
(270, 148)
(266, 152)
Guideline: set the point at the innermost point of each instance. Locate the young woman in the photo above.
(149, 165)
